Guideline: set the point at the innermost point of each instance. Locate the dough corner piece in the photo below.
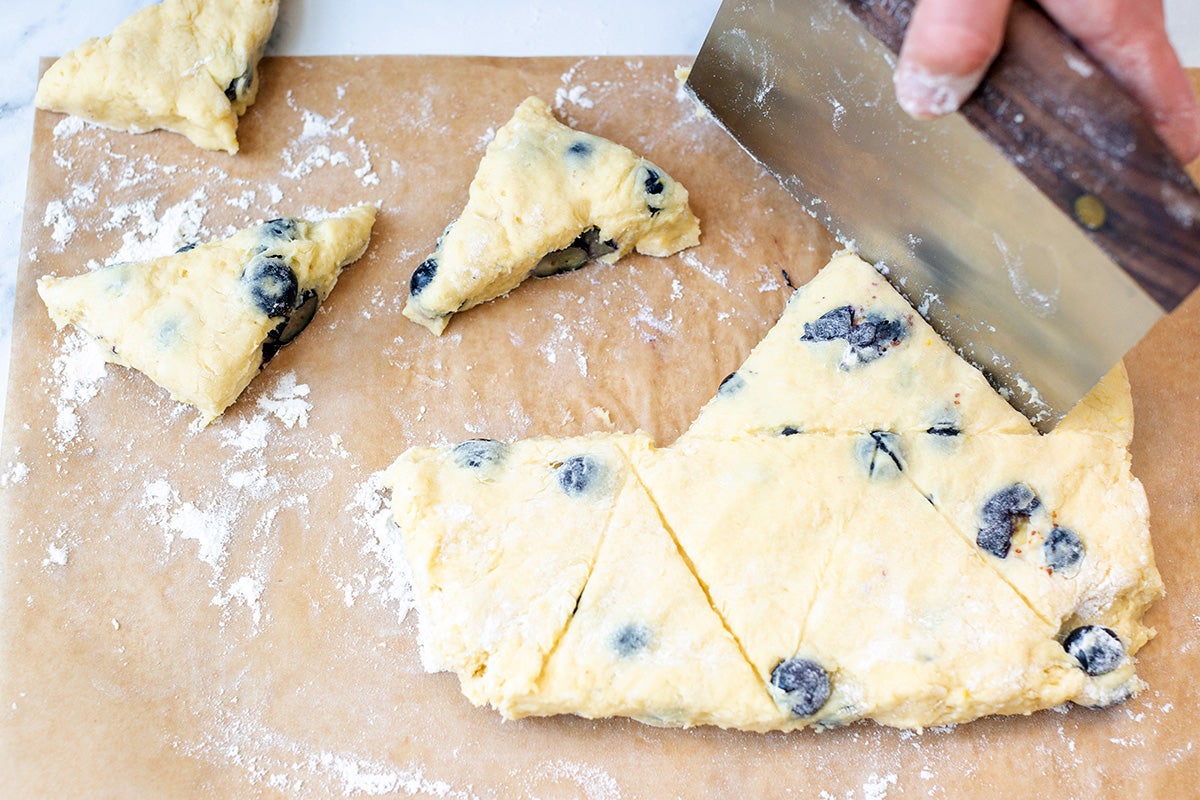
(545, 200)
(188, 66)
(203, 321)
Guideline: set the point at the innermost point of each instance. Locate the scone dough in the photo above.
(202, 322)
(546, 199)
(189, 66)
(919, 556)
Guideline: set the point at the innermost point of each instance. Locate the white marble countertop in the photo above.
(327, 27)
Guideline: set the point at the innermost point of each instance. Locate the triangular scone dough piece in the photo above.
(915, 630)
(188, 66)
(850, 354)
(501, 540)
(546, 199)
(644, 641)
(202, 322)
(757, 521)
(1060, 517)
(1107, 410)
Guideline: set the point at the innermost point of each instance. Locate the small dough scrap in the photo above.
(202, 322)
(188, 66)
(644, 641)
(850, 354)
(547, 199)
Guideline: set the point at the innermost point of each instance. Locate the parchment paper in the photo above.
(212, 612)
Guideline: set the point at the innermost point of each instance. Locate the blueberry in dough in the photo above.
(943, 429)
(272, 285)
(1062, 549)
(580, 149)
(630, 639)
(881, 454)
(999, 517)
(789, 430)
(284, 229)
(422, 276)
(868, 338)
(1097, 649)
(653, 182)
(238, 87)
(186, 247)
(578, 473)
(835, 324)
(732, 384)
(805, 685)
(478, 453)
(294, 322)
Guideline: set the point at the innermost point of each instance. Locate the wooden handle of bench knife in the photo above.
(1083, 141)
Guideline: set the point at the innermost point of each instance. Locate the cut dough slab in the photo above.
(547, 199)
(203, 322)
(850, 354)
(771, 572)
(188, 66)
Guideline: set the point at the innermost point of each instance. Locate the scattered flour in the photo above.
(16, 473)
(78, 370)
(286, 402)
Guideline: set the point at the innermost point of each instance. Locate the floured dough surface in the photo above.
(204, 321)
(787, 563)
(188, 66)
(546, 199)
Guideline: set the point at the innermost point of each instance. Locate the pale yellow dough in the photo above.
(188, 66)
(808, 554)
(546, 199)
(202, 322)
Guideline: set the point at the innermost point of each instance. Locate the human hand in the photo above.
(950, 44)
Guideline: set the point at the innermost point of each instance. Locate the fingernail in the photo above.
(925, 95)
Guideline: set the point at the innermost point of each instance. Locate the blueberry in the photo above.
(835, 324)
(577, 474)
(805, 685)
(477, 453)
(185, 248)
(292, 324)
(1097, 649)
(881, 454)
(239, 86)
(422, 276)
(272, 285)
(732, 384)
(631, 639)
(943, 429)
(999, 516)
(868, 338)
(653, 210)
(568, 259)
(589, 240)
(653, 182)
(1062, 549)
(282, 229)
(788, 430)
(168, 333)
(580, 148)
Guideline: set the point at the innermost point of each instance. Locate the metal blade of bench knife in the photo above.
(1008, 279)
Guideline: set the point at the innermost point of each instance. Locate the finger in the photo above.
(947, 48)
(1129, 38)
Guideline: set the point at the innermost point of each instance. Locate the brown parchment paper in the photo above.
(210, 613)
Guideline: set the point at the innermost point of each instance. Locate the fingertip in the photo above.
(924, 94)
